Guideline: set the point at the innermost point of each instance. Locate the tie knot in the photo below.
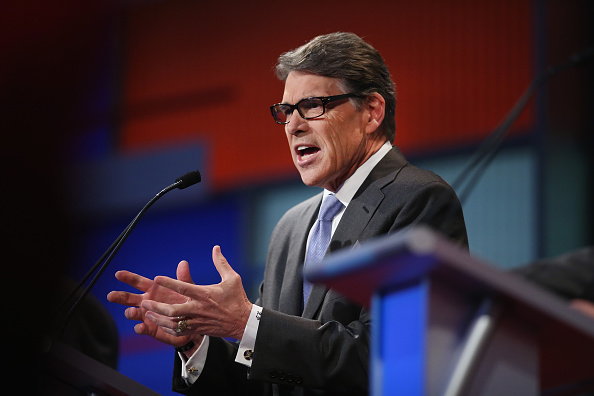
(330, 207)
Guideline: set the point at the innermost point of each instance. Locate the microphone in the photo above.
(487, 151)
(185, 181)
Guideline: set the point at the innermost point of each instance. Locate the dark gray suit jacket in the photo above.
(570, 275)
(324, 349)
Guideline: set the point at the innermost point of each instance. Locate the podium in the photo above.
(447, 323)
(67, 371)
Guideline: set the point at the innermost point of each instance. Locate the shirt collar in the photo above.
(348, 189)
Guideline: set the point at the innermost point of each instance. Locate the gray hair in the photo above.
(347, 57)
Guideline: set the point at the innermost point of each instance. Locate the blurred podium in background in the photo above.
(447, 323)
(68, 372)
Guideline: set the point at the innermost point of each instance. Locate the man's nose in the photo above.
(297, 124)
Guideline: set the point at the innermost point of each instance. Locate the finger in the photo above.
(172, 326)
(133, 314)
(170, 310)
(141, 329)
(171, 329)
(183, 272)
(186, 289)
(221, 263)
(124, 298)
(172, 332)
(137, 281)
(165, 322)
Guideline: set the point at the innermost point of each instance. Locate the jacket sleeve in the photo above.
(570, 275)
(221, 374)
(324, 353)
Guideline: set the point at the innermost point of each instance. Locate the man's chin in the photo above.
(311, 180)
(320, 183)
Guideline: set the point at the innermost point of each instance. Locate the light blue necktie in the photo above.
(320, 238)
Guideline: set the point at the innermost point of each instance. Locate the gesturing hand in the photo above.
(152, 291)
(220, 310)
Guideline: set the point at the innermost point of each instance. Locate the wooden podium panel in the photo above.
(448, 323)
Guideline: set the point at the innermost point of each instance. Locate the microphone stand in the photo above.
(182, 182)
(490, 146)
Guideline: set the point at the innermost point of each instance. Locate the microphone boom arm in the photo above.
(182, 182)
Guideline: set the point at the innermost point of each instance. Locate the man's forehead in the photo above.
(294, 97)
(301, 85)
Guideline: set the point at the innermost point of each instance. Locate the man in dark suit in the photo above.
(338, 112)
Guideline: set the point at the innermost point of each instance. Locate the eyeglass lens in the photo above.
(307, 108)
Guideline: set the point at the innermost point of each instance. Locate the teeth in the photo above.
(306, 151)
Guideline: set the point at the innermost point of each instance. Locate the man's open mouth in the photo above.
(305, 152)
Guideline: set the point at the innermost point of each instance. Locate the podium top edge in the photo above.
(426, 250)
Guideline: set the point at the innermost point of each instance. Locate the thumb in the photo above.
(221, 263)
(183, 272)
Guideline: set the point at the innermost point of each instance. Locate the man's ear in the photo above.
(376, 108)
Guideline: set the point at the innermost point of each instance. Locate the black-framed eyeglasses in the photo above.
(308, 108)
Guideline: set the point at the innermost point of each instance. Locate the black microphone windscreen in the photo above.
(189, 179)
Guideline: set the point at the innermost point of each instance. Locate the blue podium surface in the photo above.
(447, 323)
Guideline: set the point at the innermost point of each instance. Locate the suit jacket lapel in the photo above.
(357, 215)
(367, 200)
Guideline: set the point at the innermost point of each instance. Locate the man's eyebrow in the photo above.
(304, 97)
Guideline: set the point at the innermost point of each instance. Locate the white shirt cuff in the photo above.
(245, 353)
(191, 369)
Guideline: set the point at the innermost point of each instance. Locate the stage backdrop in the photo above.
(152, 89)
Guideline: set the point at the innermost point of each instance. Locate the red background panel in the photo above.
(196, 71)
